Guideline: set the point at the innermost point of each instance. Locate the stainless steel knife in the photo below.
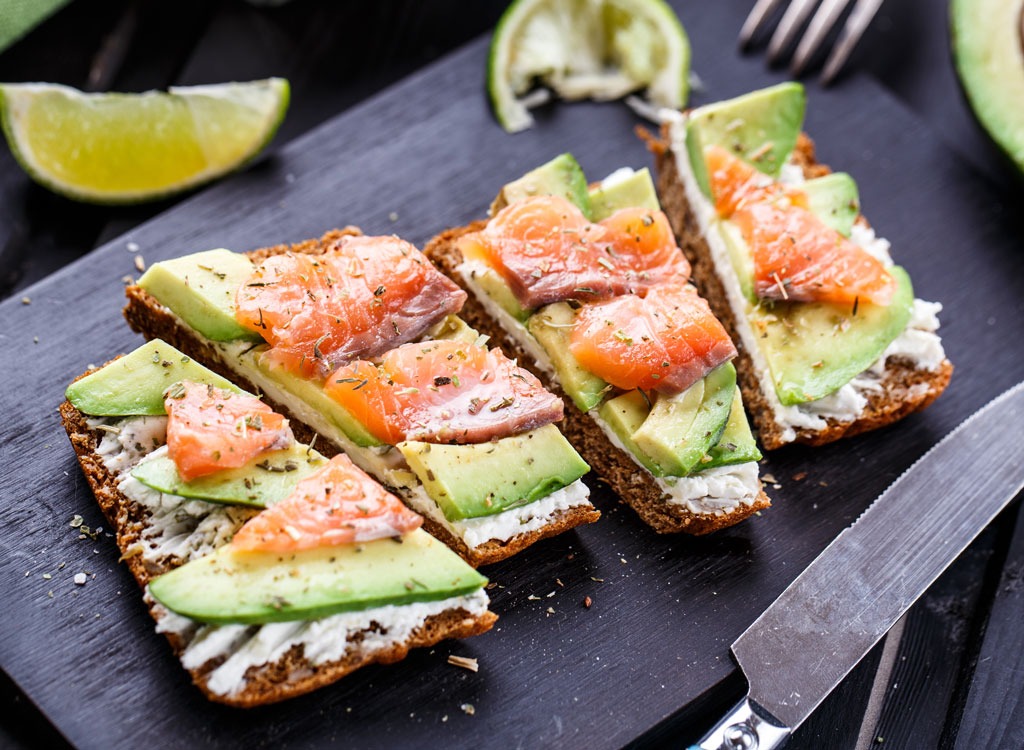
(820, 627)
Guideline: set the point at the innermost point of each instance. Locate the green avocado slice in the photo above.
(255, 588)
(561, 176)
(815, 348)
(134, 385)
(635, 191)
(482, 479)
(267, 479)
(200, 289)
(551, 326)
(834, 199)
(737, 445)
(760, 127)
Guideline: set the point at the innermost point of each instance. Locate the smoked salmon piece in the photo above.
(338, 504)
(547, 251)
(210, 429)
(665, 341)
(443, 392)
(796, 255)
(362, 297)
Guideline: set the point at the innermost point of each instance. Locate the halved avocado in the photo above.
(988, 50)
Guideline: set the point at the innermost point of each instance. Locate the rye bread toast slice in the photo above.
(147, 316)
(634, 485)
(904, 387)
(283, 676)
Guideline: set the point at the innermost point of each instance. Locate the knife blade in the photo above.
(824, 623)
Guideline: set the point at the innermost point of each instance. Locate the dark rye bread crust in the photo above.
(635, 486)
(905, 389)
(292, 674)
(147, 316)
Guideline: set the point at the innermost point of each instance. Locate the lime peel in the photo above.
(601, 49)
(128, 148)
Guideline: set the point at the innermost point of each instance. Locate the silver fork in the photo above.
(824, 20)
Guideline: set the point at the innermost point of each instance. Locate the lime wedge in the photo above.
(127, 148)
(601, 49)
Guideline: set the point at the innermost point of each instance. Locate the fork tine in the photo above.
(759, 15)
(855, 26)
(823, 22)
(792, 21)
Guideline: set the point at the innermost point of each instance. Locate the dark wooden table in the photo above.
(947, 676)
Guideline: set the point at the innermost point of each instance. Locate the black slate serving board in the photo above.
(651, 653)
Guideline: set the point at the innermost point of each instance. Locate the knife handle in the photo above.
(746, 727)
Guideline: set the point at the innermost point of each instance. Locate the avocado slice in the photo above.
(681, 429)
(737, 445)
(988, 52)
(625, 414)
(760, 127)
(481, 479)
(200, 289)
(498, 290)
(834, 199)
(739, 254)
(561, 176)
(636, 190)
(267, 479)
(134, 385)
(262, 587)
(814, 348)
(312, 393)
(551, 326)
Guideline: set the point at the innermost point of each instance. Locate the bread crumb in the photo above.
(140, 263)
(769, 478)
(26, 300)
(800, 476)
(465, 662)
(550, 610)
(532, 598)
(587, 601)
(468, 709)
(80, 579)
(393, 216)
(132, 247)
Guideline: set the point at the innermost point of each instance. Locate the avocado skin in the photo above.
(635, 191)
(267, 479)
(815, 348)
(255, 588)
(483, 479)
(134, 385)
(561, 176)
(737, 445)
(760, 127)
(988, 54)
(200, 289)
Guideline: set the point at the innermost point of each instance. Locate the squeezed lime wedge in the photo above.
(577, 49)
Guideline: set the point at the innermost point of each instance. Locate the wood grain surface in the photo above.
(649, 660)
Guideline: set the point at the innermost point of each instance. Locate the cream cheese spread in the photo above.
(323, 641)
(714, 491)
(189, 529)
(918, 344)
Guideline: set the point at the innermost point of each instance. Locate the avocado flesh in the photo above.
(312, 393)
(739, 255)
(673, 435)
(482, 479)
(987, 52)
(815, 348)
(834, 199)
(200, 289)
(267, 479)
(737, 445)
(134, 385)
(681, 429)
(232, 586)
(552, 327)
(635, 191)
(760, 127)
(498, 290)
(561, 176)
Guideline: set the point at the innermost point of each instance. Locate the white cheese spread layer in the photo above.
(715, 491)
(386, 463)
(918, 343)
(323, 641)
(190, 529)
